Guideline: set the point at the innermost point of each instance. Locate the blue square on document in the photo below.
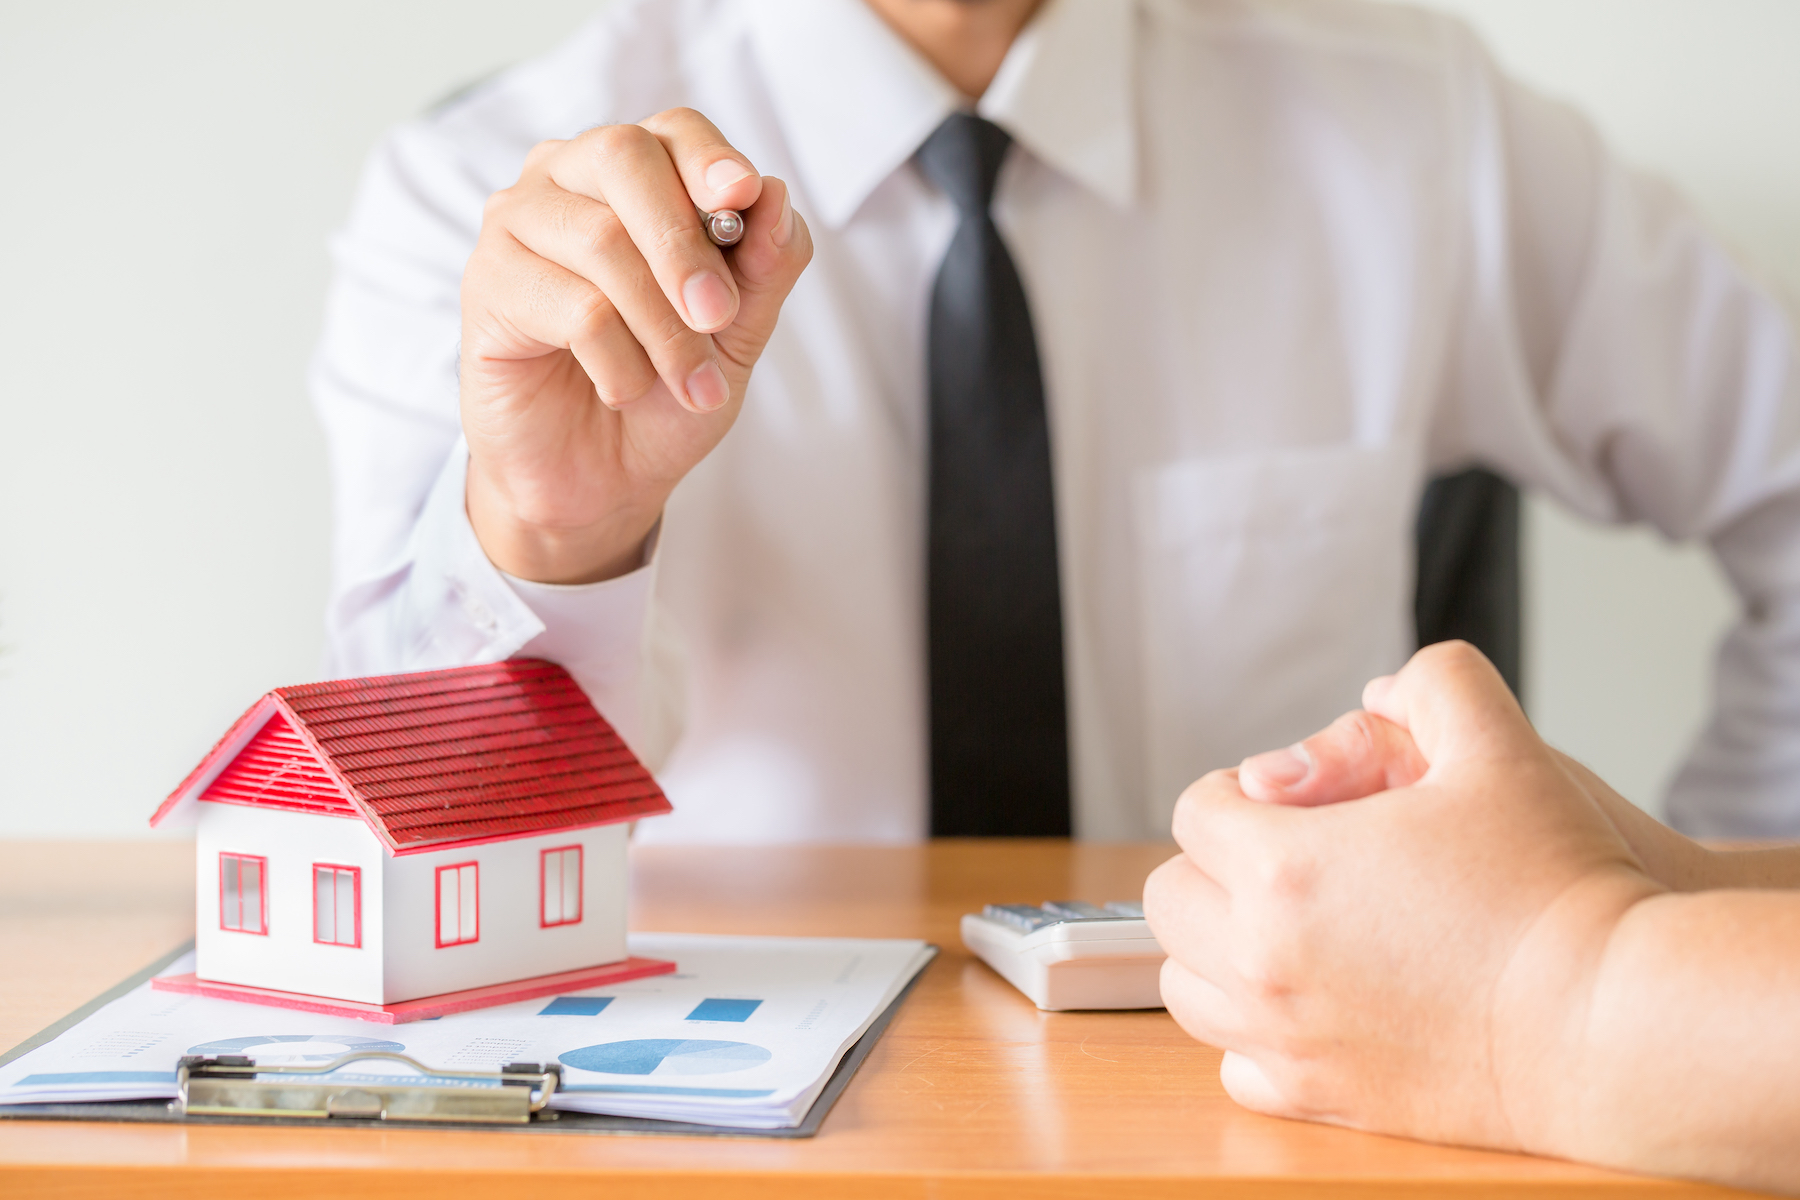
(723, 1010)
(575, 1006)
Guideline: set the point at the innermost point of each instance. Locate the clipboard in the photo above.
(164, 1112)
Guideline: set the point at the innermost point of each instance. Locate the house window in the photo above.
(243, 893)
(458, 910)
(560, 885)
(337, 905)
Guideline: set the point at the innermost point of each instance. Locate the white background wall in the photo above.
(169, 173)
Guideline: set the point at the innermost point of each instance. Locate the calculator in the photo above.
(1070, 954)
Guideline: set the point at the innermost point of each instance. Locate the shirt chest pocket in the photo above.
(1272, 586)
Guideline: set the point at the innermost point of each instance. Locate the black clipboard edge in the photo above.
(158, 1112)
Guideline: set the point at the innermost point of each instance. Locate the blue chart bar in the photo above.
(575, 1006)
(723, 1010)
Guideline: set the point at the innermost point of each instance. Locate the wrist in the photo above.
(1549, 1008)
(531, 547)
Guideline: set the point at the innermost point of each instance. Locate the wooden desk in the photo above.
(973, 1092)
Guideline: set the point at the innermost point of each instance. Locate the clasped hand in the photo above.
(1420, 961)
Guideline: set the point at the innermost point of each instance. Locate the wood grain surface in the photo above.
(973, 1092)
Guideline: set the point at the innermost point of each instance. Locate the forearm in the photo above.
(1679, 862)
(1763, 868)
(1690, 1050)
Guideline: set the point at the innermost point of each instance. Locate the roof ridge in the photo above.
(538, 726)
(424, 683)
(323, 707)
(419, 718)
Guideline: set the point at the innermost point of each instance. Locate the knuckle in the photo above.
(676, 346)
(543, 150)
(611, 142)
(1173, 979)
(1190, 805)
(1260, 958)
(1157, 889)
(497, 203)
(1184, 996)
(490, 263)
(1455, 653)
(622, 387)
(601, 228)
(672, 240)
(1288, 876)
(1263, 979)
(1194, 794)
(594, 316)
(1360, 730)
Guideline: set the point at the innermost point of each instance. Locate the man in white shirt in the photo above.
(1284, 259)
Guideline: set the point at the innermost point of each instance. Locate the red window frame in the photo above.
(262, 874)
(355, 902)
(437, 905)
(544, 885)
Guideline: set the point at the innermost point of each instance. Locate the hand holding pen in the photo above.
(608, 335)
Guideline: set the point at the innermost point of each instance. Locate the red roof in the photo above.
(434, 759)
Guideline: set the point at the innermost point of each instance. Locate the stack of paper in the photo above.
(746, 1033)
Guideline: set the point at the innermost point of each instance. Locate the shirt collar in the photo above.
(855, 100)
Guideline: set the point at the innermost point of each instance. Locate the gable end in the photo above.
(277, 769)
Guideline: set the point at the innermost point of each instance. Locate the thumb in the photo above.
(1453, 702)
(1357, 755)
(766, 262)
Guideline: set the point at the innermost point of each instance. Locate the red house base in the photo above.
(426, 1006)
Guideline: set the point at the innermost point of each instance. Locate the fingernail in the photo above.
(1280, 768)
(706, 387)
(724, 173)
(784, 228)
(708, 300)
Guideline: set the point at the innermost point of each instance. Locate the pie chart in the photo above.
(666, 1056)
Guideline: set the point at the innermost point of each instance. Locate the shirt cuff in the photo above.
(596, 631)
(458, 608)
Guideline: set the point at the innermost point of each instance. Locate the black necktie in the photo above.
(999, 723)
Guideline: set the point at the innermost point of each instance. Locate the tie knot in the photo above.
(962, 157)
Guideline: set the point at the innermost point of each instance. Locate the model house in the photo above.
(409, 845)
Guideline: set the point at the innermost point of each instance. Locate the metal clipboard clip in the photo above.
(234, 1086)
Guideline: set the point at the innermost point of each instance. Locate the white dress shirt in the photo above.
(1286, 258)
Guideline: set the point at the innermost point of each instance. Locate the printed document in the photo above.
(745, 1034)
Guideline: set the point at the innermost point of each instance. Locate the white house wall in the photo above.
(513, 942)
(287, 958)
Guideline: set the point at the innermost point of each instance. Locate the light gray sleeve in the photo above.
(1609, 352)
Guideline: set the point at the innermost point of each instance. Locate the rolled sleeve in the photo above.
(442, 604)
